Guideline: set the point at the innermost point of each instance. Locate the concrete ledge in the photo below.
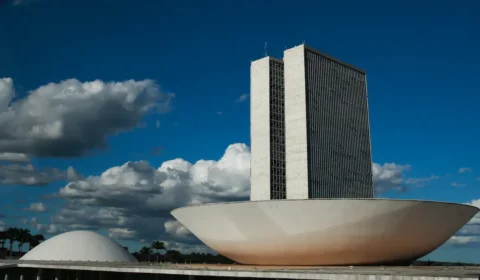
(240, 271)
(7, 265)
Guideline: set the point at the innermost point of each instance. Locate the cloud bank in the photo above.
(27, 174)
(51, 120)
(469, 235)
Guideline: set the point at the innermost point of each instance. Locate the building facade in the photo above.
(309, 125)
(267, 130)
(328, 151)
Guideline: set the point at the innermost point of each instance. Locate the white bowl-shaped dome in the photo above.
(79, 246)
(325, 232)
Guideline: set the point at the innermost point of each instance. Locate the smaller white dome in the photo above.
(79, 246)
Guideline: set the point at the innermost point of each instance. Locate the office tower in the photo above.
(267, 130)
(327, 132)
(310, 135)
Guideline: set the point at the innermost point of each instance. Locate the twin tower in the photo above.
(309, 127)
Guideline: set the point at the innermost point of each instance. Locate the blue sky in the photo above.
(421, 58)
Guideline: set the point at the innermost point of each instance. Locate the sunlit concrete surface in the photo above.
(260, 129)
(79, 246)
(205, 271)
(325, 232)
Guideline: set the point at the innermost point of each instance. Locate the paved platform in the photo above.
(275, 272)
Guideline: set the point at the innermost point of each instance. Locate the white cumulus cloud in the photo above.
(389, 176)
(73, 175)
(242, 98)
(465, 170)
(36, 207)
(27, 174)
(130, 198)
(421, 181)
(178, 231)
(469, 235)
(69, 118)
(121, 233)
(14, 157)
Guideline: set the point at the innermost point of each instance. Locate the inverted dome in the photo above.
(325, 232)
(79, 246)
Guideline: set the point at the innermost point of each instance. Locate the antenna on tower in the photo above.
(265, 49)
(303, 42)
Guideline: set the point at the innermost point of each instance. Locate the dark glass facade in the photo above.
(339, 152)
(278, 188)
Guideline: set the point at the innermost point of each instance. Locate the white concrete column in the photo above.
(21, 276)
(58, 274)
(39, 274)
(6, 276)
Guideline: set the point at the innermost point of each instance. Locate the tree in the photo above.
(158, 245)
(24, 236)
(35, 240)
(145, 252)
(173, 255)
(3, 238)
(12, 236)
(193, 257)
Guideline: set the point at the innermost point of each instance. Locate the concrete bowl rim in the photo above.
(323, 199)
